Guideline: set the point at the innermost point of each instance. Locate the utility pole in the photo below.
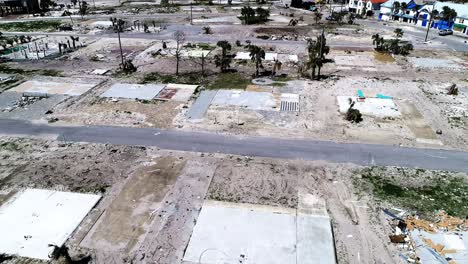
(191, 21)
(322, 37)
(430, 21)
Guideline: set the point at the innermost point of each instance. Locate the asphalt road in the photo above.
(362, 154)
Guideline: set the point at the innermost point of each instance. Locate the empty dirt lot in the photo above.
(162, 193)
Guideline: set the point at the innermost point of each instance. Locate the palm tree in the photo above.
(68, 13)
(262, 14)
(247, 14)
(404, 7)
(224, 60)
(257, 54)
(317, 50)
(323, 50)
(448, 14)
(317, 16)
(377, 40)
(313, 57)
(405, 49)
(83, 9)
(398, 33)
(396, 8)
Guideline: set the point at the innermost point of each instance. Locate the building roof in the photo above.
(378, 1)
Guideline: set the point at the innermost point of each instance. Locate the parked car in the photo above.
(445, 32)
(330, 18)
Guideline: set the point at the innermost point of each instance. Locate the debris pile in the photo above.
(440, 241)
(294, 37)
(25, 100)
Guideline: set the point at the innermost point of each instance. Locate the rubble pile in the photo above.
(422, 241)
(22, 102)
(294, 37)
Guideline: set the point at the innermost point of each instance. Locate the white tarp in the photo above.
(34, 218)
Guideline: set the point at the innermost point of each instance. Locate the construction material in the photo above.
(289, 102)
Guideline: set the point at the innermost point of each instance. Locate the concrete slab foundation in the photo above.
(237, 233)
(250, 100)
(58, 86)
(33, 219)
(201, 105)
(246, 233)
(432, 63)
(133, 91)
(183, 91)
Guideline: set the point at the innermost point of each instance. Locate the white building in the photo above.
(389, 12)
(360, 6)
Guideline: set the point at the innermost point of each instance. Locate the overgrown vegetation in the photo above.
(223, 60)
(251, 16)
(353, 115)
(395, 46)
(229, 81)
(10, 146)
(46, 72)
(316, 50)
(419, 190)
(186, 78)
(30, 26)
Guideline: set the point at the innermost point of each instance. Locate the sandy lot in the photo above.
(162, 193)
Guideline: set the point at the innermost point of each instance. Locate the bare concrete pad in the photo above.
(183, 92)
(433, 63)
(58, 86)
(232, 233)
(250, 100)
(246, 233)
(133, 91)
(33, 219)
(314, 233)
(370, 106)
